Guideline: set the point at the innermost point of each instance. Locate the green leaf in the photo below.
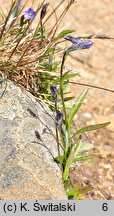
(68, 163)
(84, 157)
(56, 80)
(59, 159)
(85, 146)
(68, 75)
(78, 146)
(79, 190)
(68, 98)
(91, 128)
(62, 136)
(64, 33)
(55, 65)
(68, 107)
(82, 147)
(77, 106)
(65, 87)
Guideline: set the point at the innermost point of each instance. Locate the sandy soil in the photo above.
(96, 67)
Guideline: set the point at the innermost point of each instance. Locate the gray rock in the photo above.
(27, 148)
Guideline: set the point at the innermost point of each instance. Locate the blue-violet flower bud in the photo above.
(44, 10)
(54, 92)
(86, 44)
(59, 116)
(73, 39)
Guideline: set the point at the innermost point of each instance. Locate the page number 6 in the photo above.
(105, 207)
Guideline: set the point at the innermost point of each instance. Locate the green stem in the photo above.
(63, 104)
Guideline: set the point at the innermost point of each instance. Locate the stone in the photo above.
(27, 147)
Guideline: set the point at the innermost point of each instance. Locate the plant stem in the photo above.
(56, 128)
(61, 88)
(68, 141)
(92, 86)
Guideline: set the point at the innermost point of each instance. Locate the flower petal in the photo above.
(73, 39)
(86, 44)
(29, 14)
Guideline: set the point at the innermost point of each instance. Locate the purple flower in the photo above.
(54, 92)
(78, 43)
(29, 14)
(73, 39)
(44, 10)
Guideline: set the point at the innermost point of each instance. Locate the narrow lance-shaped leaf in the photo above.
(68, 98)
(68, 75)
(84, 157)
(77, 149)
(77, 106)
(85, 146)
(68, 163)
(79, 190)
(64, 33)
(62, 136)
(91, 128)
(59, 159)
(82, 146)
